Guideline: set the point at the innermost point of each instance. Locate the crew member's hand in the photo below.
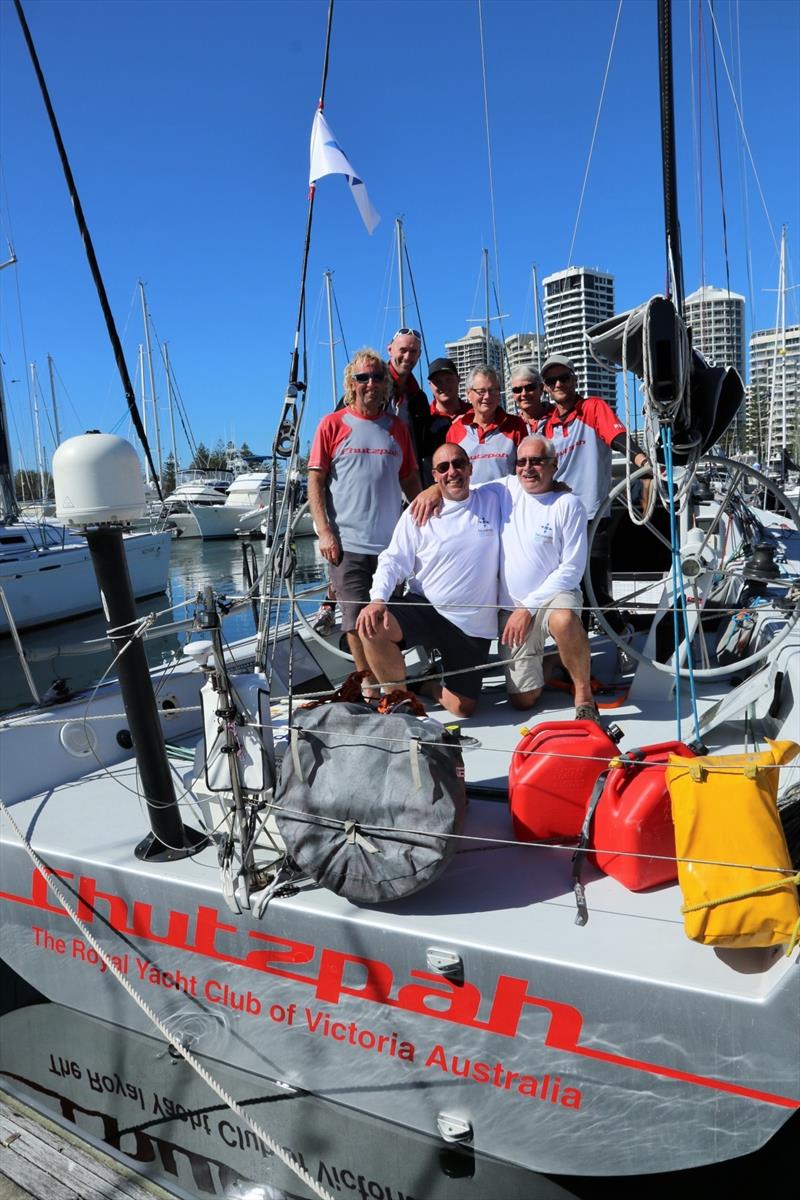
(329, 547)
(426, 504)
(516, 628)
(372, 618)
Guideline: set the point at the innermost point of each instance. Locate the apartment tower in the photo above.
(470, 351)
(574, 301)
(774, 393)
(716, 319)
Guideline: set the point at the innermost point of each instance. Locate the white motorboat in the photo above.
(244, 511)
(193, 486)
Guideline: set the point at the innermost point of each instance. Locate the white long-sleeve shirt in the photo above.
(453, 560)
(542, 544)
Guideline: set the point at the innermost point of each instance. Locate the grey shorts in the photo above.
(352, 578)
(523, 664)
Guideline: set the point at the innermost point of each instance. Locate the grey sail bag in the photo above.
(352, 783)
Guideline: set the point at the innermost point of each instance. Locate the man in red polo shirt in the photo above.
(489, 435)
(584, 431)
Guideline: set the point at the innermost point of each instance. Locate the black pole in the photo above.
(94, 267)
(671, 222)
(169, 839)
(9, 509)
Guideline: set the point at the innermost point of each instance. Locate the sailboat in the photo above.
(45, 568)
(559, 1024)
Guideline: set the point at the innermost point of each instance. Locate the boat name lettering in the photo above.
(334, 974)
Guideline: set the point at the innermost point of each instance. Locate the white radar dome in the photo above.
(97, 480)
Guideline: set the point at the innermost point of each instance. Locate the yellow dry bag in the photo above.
(725, 810)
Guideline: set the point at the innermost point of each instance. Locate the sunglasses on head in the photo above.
(366, 376)
(552, 380)
(443, 467)
(532, 460)
(404, 332)
(525, 387)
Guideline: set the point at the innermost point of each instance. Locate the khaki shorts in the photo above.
(523, 664)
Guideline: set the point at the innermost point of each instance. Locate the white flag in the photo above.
(328, 158)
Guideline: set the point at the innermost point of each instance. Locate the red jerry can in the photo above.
(634, 815)
(553, 770)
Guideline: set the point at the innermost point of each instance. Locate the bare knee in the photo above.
(524, 700)
(563, 621)
(459, 706)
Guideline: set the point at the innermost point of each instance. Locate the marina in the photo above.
(446, 847)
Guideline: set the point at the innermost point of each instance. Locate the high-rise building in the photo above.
(716, 319)
(774, 393)
(574, 301)
(470, 351)
(523, 348)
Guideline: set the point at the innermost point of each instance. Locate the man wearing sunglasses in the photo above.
(361, 463)
(526, 388)
(585, 430)
(542, 560)
(407, 398)
(451, 605)
(488, 434)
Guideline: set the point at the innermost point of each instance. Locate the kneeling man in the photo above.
(452, 602)
(543, 558)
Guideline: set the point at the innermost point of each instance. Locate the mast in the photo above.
(171, 405)
(536, 318)
(331, 348)
(148, 478)
(486, 290)
(152, 380)
(671, 222)
(83, 228)
(400, 280)
(9, 509)
(37, 434)
(778, 351)
(53, 399)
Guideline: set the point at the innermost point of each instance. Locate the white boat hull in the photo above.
(59, 582)
(225, 521)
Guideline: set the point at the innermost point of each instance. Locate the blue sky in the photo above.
(188, 125)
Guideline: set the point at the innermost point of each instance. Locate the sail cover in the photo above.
(366, 802)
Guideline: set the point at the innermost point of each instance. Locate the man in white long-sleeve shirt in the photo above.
(542, 561)
(452, 564)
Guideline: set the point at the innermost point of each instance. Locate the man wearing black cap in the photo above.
(446, 404)
(584, 431)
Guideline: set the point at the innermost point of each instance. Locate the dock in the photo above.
(41, 1161)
